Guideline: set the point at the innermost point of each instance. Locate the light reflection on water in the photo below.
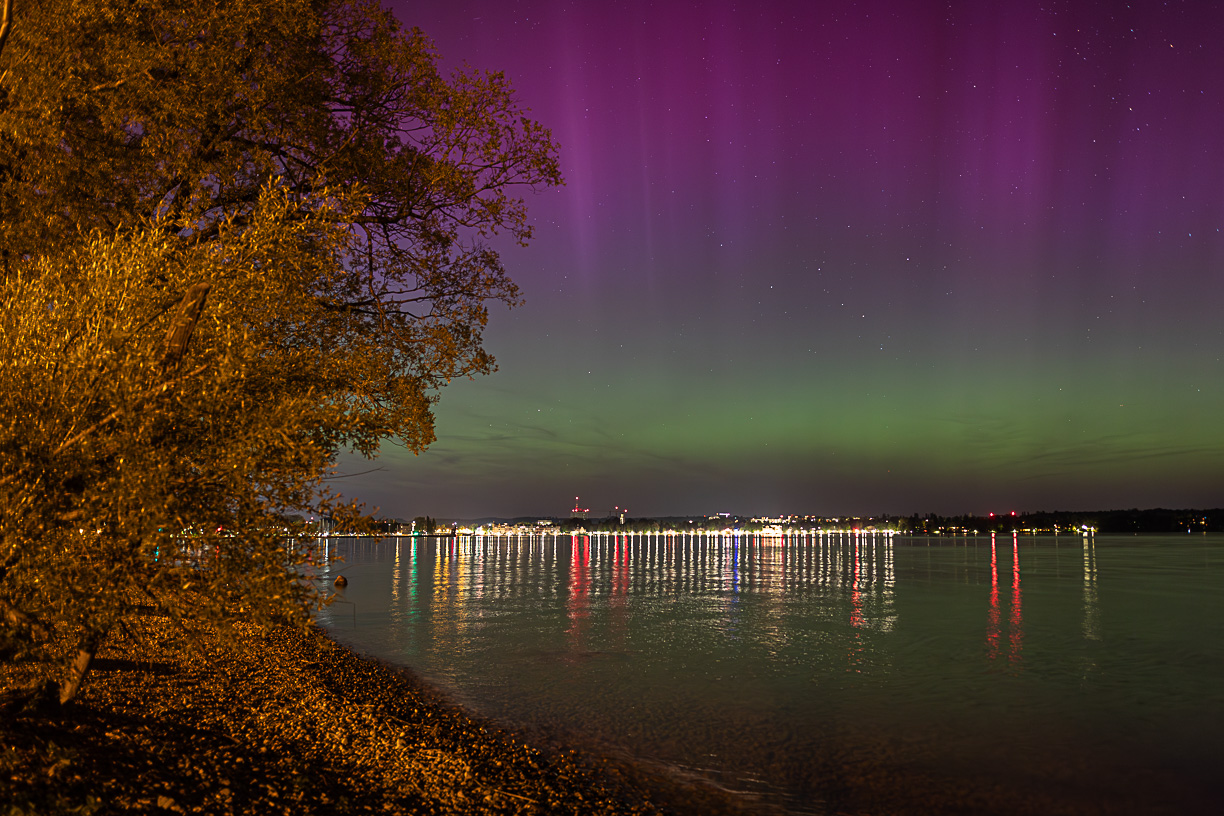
(820, 672)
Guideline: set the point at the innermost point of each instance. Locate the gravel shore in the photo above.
(290, 722)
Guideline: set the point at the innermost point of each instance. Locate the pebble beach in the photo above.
(288, 721)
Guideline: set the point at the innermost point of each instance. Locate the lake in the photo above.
(838, 673)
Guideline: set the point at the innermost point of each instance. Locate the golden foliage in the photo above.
(305, 164)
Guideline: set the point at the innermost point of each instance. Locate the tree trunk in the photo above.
(174, 347)
(6, 24)
(183, 326)
(80, 666)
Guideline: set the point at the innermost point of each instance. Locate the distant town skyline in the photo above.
(880, 258)
(1161, 521)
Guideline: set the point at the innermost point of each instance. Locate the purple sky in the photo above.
(838, 257)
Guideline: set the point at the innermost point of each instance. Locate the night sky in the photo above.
(847, 258)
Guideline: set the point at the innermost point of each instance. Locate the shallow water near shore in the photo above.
(829, 674)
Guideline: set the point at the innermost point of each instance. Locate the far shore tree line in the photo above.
(1154, 520)
(236, 239)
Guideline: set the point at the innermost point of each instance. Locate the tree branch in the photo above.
(183, 326)
(16, 619)
(155, 391)
(6, 23)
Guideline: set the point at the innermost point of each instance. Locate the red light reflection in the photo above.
(992, 625)
(1016, 630)
(1015, 620)
(578, 604)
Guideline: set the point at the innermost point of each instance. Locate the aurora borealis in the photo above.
(853, 258)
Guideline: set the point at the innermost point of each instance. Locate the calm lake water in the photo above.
(831, 674)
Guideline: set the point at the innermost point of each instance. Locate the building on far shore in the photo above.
(579, 512)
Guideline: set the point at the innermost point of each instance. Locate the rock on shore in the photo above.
(290, 722)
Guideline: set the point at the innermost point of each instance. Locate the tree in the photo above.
(236, 239)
